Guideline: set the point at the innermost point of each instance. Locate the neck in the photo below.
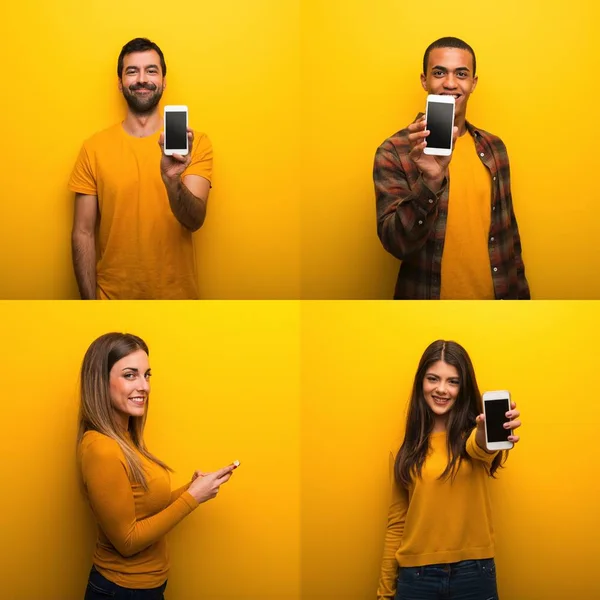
(440, 424)
(123, 422)
(142, 125)
(460, 122)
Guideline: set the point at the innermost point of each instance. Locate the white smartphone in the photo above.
(440, 122)
(176, 123)
(495, 406)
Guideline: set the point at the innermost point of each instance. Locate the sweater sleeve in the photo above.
(393, 538)
(176, 493)
(477, 453)
(112, 501)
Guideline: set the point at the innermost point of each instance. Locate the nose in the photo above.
(144, 385)
(441, 388)
(450, 81)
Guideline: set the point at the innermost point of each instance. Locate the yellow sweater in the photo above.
(438, 521)
(131, 549)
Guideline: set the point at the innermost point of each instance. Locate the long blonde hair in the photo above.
(95, 410)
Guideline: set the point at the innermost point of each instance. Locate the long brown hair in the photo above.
(461, 418)
(95, 410)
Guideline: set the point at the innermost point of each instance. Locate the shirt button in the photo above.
(430, 201)
(491, 239)
(481, 154)
(420, 222)
(493, 208)
(494, 179)
(495, 269)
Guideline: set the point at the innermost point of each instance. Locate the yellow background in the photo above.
(358, 364)
(235, 64)
(225, 387)
(537, 68)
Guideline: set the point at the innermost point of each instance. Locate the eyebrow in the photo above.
(432, 374)
(440, 68)
(134, 369)
(145, 67)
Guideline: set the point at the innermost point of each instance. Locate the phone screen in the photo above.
(175, 130)
(439, 123)
(495, 417)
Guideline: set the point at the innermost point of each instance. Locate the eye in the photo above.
(438, 73)
(431, 378)
(462, 74)
(148, 375)
(129, 375)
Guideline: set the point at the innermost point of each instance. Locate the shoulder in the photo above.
(398, 142)
(98, 445)
(102, 138)
(493, 140)
(201, 141)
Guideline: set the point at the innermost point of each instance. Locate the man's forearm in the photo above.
(188, 209)
(83, 246)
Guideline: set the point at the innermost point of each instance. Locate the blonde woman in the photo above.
(128, 488)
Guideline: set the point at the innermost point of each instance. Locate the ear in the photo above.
(475, 80)
(424, 81)
(120, 84)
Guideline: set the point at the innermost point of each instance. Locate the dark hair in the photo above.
(448, 42)
(140, 45)
(461, 418)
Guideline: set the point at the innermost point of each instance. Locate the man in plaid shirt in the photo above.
(459, 241)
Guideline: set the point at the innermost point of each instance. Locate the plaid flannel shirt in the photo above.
(411, 219)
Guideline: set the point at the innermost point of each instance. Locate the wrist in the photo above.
(172, 183)
(433, 183)
(481, 443)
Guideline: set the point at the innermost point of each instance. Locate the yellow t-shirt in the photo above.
(466, 270)
(143, 251)
(131, 549)
(437, 521)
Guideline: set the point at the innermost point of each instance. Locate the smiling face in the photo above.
(450, 73)
(441, 385)
(129, 384)
(142, 82)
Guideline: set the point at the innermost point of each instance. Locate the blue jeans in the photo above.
(465, 580)
(100, 588)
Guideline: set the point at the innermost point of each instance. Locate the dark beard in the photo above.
(142, 106)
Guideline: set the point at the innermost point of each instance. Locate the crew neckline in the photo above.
(135, 137)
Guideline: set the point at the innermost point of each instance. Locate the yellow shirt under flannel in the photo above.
(466, 270)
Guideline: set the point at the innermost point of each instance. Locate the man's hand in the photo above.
(514, 422)
(171, 167)
(433, 168)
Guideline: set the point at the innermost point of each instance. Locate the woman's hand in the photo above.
(198, 474)
(513, 414)
(205, 486)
